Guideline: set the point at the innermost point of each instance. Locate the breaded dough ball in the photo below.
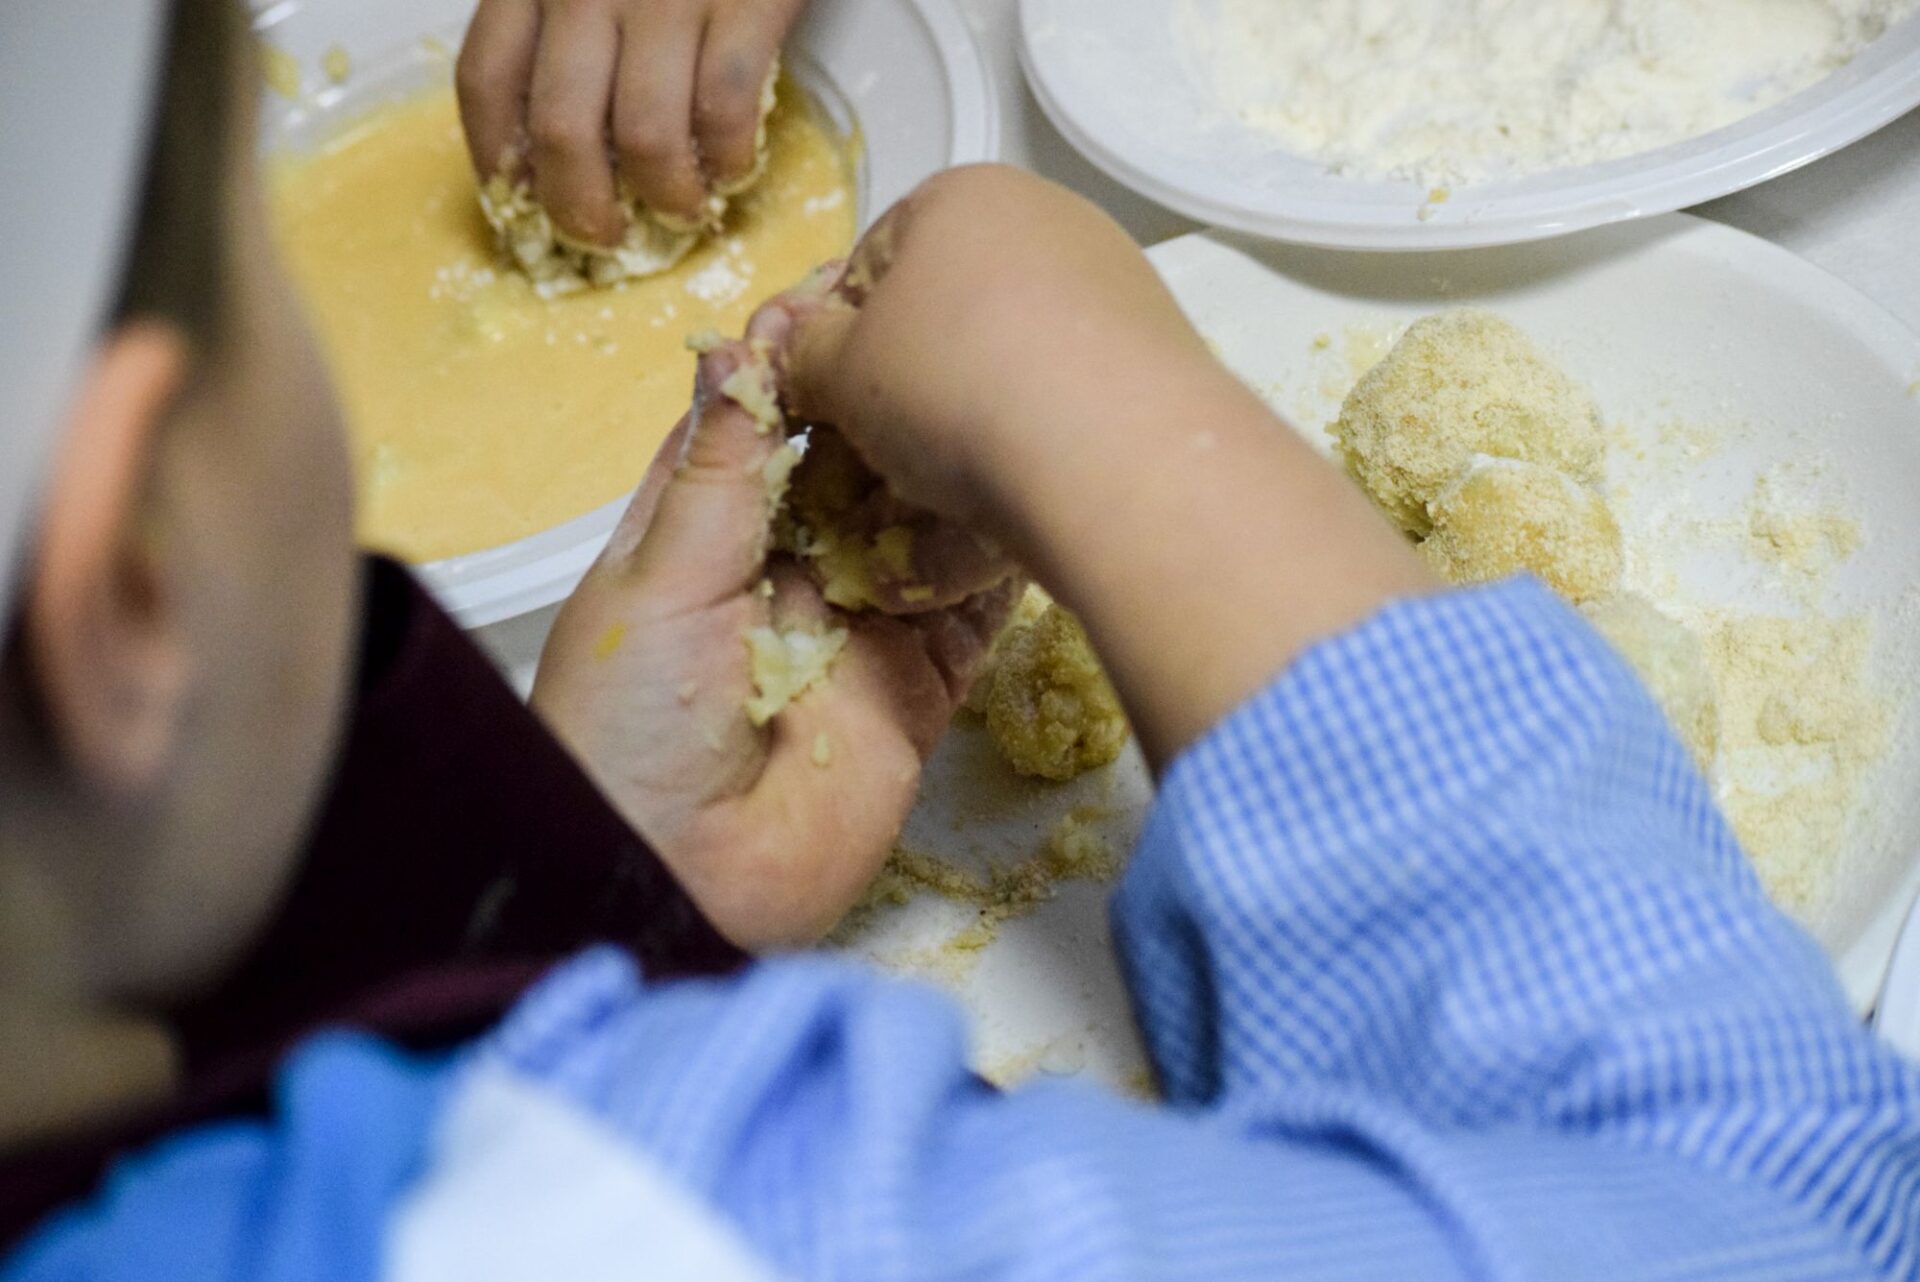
(1033, 603)
(1051, 711)
(1672, 663)
(1459, 384)
(1503, 517)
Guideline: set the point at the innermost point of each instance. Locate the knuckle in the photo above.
(553, 133)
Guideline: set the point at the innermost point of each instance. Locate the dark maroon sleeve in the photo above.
(456, 828)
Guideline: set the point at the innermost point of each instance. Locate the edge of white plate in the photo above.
(1673, 185)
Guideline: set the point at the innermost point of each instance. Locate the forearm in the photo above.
(1203, 543)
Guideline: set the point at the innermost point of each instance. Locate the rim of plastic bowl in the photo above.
(1798, 130)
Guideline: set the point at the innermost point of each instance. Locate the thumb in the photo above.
(707, 537)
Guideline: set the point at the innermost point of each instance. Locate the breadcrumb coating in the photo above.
(1502, 518)
(1456, 385)
(1671, 661)
(1051, 711)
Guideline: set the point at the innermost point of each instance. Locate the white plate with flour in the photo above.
(903, 77)
(1133, 86)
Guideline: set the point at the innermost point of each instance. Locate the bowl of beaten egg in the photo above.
(496, 434)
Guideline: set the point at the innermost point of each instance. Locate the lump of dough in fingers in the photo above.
(1456, 385)
(868, 550)
(1672, 663)
(1501, 518)
(651, 243)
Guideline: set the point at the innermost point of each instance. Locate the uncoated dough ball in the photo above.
(1052, 712)
(1459, 384)
(1503, 517)
(1672, 663)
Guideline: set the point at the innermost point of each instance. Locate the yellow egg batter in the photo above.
(480, 413)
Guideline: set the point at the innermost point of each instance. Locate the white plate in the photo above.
(1110, 75)
(1669, 318)
(1897, 1018)
(905, 73)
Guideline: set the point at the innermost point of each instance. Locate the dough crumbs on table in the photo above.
(785, 664)
(1797, 538)
(1795, 699)
(1074, 850)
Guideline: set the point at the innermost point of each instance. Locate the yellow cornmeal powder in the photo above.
(1797, 710)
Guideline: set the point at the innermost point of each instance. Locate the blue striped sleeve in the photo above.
(1455, 869)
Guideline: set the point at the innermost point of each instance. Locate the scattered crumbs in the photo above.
(1074, 850)
(702, 341)
(281, 71)
(822, 750)
(1322, 341)
(1367, 346)
(1439, 195)
(337, 66)
(609, 643)
(718, 282)
(1801, 723)
(1794, 537)
(1692, 440)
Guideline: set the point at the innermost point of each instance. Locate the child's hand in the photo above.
(775, 831)
(987, 302)
(1003, 355)
(664, 94)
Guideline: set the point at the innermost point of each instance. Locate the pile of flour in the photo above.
(1459, 91)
